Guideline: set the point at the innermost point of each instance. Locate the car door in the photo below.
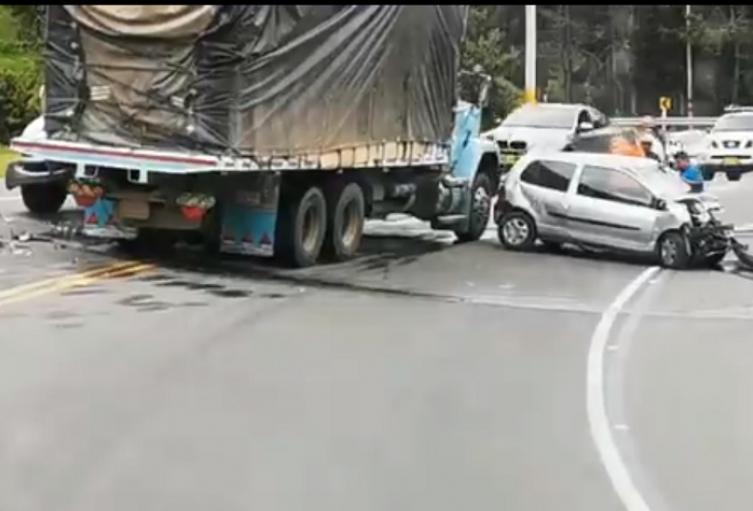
(609, 207)
(544, 184)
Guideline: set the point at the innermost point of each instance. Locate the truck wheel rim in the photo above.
(481, 206)
(351, 225)
(515, 231)
(311, 229)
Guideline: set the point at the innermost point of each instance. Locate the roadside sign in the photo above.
(665, 103)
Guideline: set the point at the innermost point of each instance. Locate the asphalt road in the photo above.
(423, 375)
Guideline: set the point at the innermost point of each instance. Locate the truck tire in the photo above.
(44, 198)
(301, 227)
(346, 214)
(672, 251)
(481, 201)
(734, 175)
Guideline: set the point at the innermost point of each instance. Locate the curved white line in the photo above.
(596, 406)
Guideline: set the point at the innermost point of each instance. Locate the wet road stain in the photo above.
(79, 291)
(155, 278)
(68, 326)
(60, 314)
(230, 293)
(193, 304)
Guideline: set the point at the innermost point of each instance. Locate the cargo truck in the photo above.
(265, 130)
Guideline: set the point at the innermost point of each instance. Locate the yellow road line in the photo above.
(52, 285)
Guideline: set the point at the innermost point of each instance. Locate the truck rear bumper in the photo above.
(27, 172)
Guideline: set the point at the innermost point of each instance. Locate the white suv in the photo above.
(730, 146)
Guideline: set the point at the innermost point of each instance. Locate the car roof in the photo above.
(563, 106)
(628, 163)
(737, 114)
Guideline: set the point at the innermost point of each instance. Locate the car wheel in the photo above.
(734, 175)
(517, 231)
(673, 251)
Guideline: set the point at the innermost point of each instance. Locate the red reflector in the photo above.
(192, 213)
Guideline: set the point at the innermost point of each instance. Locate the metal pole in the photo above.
(530, 90)
(689, 62)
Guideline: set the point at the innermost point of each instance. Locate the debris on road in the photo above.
(741, 251)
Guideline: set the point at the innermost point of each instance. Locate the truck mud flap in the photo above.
(248, 230)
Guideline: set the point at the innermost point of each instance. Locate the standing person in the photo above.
(689, 172)
(647, 145)
(647, 129)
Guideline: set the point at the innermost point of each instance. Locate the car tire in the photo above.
(517, 231)
(734, 175)
(714, 260)
(44, 198)
(481, 207)
(672, 251)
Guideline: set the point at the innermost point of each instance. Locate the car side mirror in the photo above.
(585, 126)
(660, 204)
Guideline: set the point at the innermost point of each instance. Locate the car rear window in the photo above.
(549, 174)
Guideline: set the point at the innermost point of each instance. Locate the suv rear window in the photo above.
(549, 174)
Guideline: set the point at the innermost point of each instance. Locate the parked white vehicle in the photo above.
(730, 146)
(547, 126)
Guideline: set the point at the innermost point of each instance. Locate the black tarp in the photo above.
(248, 79)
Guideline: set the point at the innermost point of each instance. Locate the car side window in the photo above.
(555, 175)
(612, 185)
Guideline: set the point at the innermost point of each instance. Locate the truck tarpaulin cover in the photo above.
(250, 79)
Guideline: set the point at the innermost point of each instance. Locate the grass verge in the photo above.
(6, 156)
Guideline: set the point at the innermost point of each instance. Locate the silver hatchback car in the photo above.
(603, 201)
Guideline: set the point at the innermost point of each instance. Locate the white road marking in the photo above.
(595, 403)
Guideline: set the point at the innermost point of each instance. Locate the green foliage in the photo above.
(20, 69)
(486, 45)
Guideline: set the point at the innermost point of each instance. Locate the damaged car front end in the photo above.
(709, 239)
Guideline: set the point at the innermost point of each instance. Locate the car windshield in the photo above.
(734, 123)
(541, 117)
(664, 183)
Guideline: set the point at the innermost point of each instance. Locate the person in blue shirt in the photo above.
(689, 172)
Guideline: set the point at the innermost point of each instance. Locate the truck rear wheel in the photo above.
(346, 212)
(301, 227)
(44, 198)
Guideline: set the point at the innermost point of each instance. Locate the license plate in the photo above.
(511, 158)
(731, 161)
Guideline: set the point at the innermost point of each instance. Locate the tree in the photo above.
(488, 44)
